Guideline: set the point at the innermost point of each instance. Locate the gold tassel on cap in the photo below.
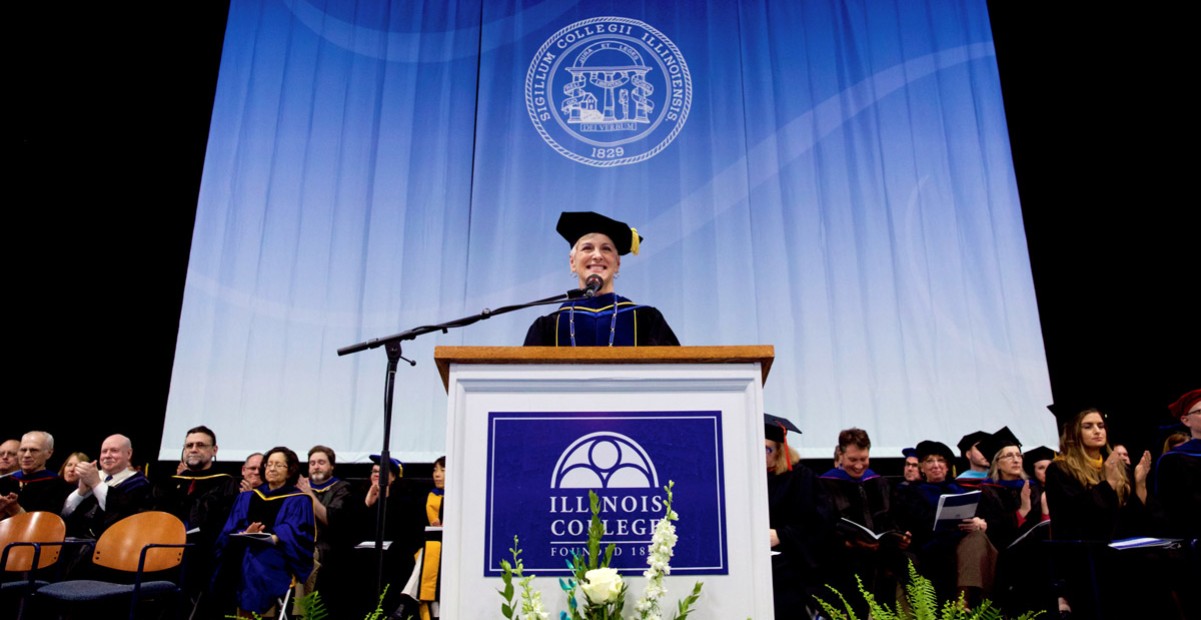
(634, 241)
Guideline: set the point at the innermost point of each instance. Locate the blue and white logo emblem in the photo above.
(604, 461)
(608, 91)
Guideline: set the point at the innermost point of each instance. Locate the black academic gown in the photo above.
(42, 490)
(867, 501)
(592, 320)
(130, 497)
(1023, 579)
(799, 512)
(1099, 580)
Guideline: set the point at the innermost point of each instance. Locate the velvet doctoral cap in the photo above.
(926, 448)
(575, 224)
(993, 444)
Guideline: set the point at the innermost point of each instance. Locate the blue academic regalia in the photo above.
(593, 320)
(266, 570)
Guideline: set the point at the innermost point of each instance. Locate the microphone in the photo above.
(592, 284)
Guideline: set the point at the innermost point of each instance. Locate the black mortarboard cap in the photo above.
(1066, 410)
(909, 452)
(775, 427)
(575, 224)
(926, 448)
(991, 445)
(969, 440)
(1041, 453)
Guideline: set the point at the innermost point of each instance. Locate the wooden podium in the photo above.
(531, 429)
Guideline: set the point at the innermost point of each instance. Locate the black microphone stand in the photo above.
(392, 348)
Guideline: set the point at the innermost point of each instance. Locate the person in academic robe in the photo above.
(1097, 498)
(866, 540)
(1015, 508)
(425, 583)
(605, 319)
(1178, 487)
(1178, 472)
(957, 558)
(109, 490)
(977, 463)
(335, 509)
(33, 487)
(269, 536)
(799, 521)
(201, 497)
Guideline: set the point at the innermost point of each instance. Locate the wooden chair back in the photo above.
(32, 527)
(120, 547)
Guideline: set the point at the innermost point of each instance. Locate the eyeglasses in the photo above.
(275, 466)
(196, 445)
(1011, 455)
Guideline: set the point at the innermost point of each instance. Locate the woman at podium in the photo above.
(606, 318)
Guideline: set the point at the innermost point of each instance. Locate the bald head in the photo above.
(115, 454)
(36, 448)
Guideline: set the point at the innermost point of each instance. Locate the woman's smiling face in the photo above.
(595, 253)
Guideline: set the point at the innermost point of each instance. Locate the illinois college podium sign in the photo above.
(532, 430)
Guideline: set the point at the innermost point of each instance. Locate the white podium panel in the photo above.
(527, 440)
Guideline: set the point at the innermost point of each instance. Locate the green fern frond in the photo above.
(312, 607)
(955, 609)
(877, 610)
(923, 600)
(833, 612)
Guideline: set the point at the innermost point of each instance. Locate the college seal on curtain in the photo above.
(608, 91)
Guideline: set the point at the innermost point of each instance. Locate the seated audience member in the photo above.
(1014, 506)
(106, 495)
(37, 487)
(799, 521)
(1122, 452)
(425, 582)
(201, 497)
(334, 509)
(1178, 472)
(10, 450)
(9, 465)
(1097, 498)
(67, 471)
(912, 471)
(1035, 462)
(250, 473)
(403, 521)
(977, 462)
(860, 495)
(957, 559)
(1178, 487)
(1173, 440)
(260, 568)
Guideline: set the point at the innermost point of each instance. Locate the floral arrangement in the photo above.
(602, 588)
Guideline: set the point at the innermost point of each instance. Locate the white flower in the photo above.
(603, 585)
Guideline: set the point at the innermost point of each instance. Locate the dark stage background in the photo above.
(106, 145)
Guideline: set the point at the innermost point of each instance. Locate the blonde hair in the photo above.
(994, 470)
(1079, 465)
(781, 463)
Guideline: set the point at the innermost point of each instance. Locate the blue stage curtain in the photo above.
(840, 187)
